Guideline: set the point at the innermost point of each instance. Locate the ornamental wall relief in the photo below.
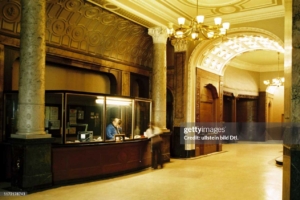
(80, 26)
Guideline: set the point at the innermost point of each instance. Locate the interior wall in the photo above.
(278, 105)
(62, 78)
(268, 76)
(238, 81)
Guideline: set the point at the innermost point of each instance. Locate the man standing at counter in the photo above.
(154, 132)
(112, 129)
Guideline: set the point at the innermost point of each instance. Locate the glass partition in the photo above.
(119, 111)
(84, 118)
(72, 117)
(142, 117)
(54, 115)
(10, 112)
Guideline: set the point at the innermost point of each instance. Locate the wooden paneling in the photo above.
(227, 109)
(205, 108)
(247, 110)
(206, 112)
(179, 84)
(247, 117)
(81, 162)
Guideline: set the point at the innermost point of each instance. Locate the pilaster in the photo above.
(125, 83)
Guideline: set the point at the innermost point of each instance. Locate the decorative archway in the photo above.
(213, 56)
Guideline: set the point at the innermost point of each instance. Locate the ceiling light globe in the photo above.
(222, 31)
(179, 34)
(210, 34)
(218, 21)
(266, 82)
(194, 35)
(181, 20)
(226, 25)
(200, 19)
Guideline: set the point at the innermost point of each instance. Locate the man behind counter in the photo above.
(112, 129)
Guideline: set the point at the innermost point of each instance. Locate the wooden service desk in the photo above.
(86, 161)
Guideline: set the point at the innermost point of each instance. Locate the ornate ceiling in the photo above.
(86, 28)
(151, 13)
(91, 27)
(267, 15)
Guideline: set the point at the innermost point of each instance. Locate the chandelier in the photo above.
(279, 81)
(197, 30)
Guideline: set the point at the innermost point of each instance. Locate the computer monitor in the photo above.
(85, 136)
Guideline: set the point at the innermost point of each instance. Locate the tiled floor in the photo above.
(240, 171)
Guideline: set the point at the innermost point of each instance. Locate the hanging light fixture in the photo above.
(279, 81)
(197, 30)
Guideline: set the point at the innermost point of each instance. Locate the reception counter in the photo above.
(78, 148)
(81, 162)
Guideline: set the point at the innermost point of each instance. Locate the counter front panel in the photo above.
(92, 161)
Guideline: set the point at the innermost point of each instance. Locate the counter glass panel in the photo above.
(142, 117)
(119, 118)
(53, 115)
(10, 112)
(73, 117)
(84, 118)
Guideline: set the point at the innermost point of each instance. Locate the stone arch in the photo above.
(213, 55)
(235, 43)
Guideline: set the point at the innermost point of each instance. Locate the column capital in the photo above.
(159, 34)
(179, 45)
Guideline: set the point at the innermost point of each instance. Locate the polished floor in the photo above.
(240, 171)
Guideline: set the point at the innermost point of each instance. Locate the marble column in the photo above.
(159, 86)
(159, 76)
(291, 147)
(31, 146)
(30, 117)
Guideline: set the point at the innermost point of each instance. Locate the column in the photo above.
(159, 76)
(159, 86)
(184, 92)
(31, 146)
(291, 147)
(181, 113)
(30, 117)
